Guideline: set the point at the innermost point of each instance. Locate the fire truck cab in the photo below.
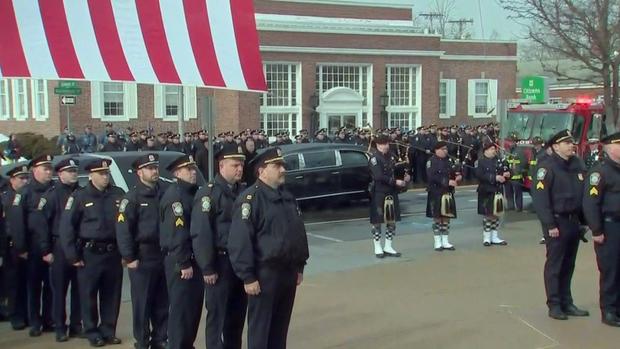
(584, 117)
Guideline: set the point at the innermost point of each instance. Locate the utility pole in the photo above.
(461, 24)
(430, 16)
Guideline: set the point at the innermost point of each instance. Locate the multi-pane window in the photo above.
(402, 88)
(20, 99)
(482, 97)
(4, 99)
(281, 105)
(39, 99)
(113, 96)
(172, 96)
(281, 84)
(399, 120)
(274, 123)
(443, 98)
(351, 76)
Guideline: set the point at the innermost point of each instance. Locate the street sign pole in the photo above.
(68, 118)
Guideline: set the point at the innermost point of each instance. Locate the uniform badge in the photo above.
(179, 222)
(245, 210)
(151, 158)
(593, 191)
(428, 164)
(373, 161)
(541, 173)
(249, 197)
(123, 206)
(476, 163)
(121, 218)
(206, 204)
(69, 203)
(177, 209)
(88, 204)
(42, 203)
(580, 176)
(595, 178)
(278, 151)
(17, 199)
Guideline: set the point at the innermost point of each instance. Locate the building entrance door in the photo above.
(336, 121)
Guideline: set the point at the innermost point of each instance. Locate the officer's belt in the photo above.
(99, 245)
(569, 216)
(612, 218)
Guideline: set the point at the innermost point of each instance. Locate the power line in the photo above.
(461, 24)
(430, 16)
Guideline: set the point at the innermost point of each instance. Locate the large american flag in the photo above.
(190, 42)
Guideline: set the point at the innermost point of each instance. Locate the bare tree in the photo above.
(445, 8)
(584, 32)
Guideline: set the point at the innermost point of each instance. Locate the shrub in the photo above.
(32, 145)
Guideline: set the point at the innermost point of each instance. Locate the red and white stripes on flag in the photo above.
(210, 43)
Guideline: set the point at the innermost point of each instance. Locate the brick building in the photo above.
(327, 63)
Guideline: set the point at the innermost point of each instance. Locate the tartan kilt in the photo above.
(377, 199)
(485, 203)
(433, 205)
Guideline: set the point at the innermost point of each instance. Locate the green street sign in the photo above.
(68, 84)
(69, 91)
(535, 89)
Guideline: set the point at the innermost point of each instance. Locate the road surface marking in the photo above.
(324, 237)
(421, 213)
(523, 321)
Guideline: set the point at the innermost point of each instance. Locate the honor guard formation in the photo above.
(239, 247)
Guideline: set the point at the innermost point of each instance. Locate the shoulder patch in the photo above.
(69, 203)
(206, 204)
(123, 206)
(595, 178)
(42, 203)
(177, 209)
(373, 161)
(17, 199)
(541, 173)
(246, 209)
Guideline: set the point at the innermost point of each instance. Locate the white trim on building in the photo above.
(481, 99)
(129, 102)
(449, 94)
(405, 102)
(281, 109)
(40, 100)
(5, 100)
(20, 100)
(167, 112)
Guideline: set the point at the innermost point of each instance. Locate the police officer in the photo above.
(320, 137)
(491, 176)
(15, 263)
(514, 187)
(62, 274)
(601, 208)
(137, 234)
(225, 298)
(39, 289)
(88, 238)
(384, 204)
(268, 249)
(134, 143)
(440, 204)
(183, 277)
(112, 144)
(557, 194)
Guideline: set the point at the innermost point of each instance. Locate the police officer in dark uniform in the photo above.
(175, 145)
(268, 249)
(384, 203)
(113, 144)
(491, 177)
(61, 272)
(225, 298)
(15, 263)
(134, 143)
(320, 136)
(440, 204)
(88, 238)
(601, 208)
(137, 234)
(32, 201)
(183, 276)
(557, 194)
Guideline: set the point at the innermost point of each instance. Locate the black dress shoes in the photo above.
(35, 332)
(572, 310)
(611, 319)
(557, 313)
(388, 254)
(61, 337)
(96, 342)
(112, 340)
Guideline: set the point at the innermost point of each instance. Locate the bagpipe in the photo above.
(402, 167)
(503, 166)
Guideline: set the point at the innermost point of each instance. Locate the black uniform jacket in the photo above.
(602, 195)
(267, 230)
(89, 214)
(211, 221)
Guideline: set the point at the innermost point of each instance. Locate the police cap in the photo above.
(562, 136)
(230, 151)
(145, 160)
(45, 159)
(66, 164)
(269, 156)
(611, 139)
(98, 165)
(440, 145)
(382, 139)
(18, 171)
(181, 161)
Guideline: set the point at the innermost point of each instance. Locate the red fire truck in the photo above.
(584, 117)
